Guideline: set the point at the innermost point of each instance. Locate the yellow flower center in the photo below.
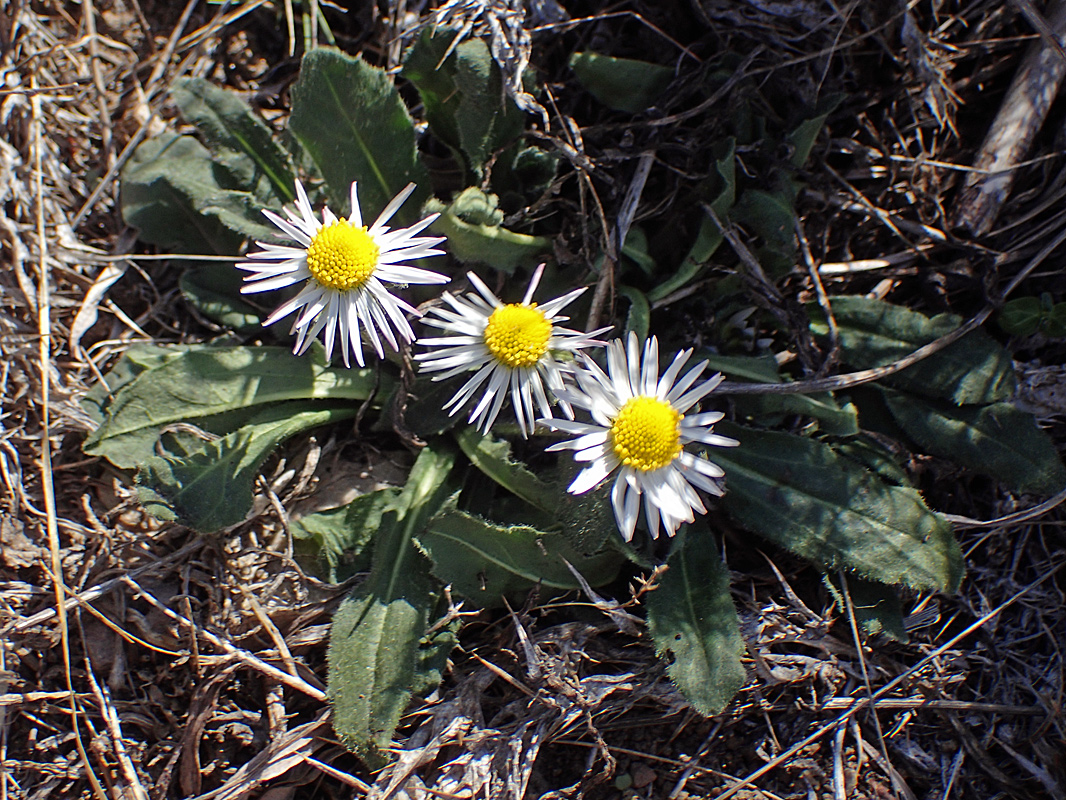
(517, 335)
(646, 434)
(342, 256)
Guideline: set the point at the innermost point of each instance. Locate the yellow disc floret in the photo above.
(517, 335)
(342, 256)
(646, 434)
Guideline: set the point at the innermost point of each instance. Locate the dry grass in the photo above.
(140, 660)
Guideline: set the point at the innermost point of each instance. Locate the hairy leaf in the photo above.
(214, 291)
(877, 607)
(202, 382)
(239, 141)
(472, 224)
(484, 561)
(873, 333)
(834, 418)
(351, 120)
(692, 619)
(211, 488)
(997, 440)
(378, 650)
(804, 497)
(338, 538)
(465, 104)
(621, 83)
(493, 457)
(172, 194)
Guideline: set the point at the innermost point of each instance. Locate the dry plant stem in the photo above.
(864, 702)
(1024, 109)
(89, 13)
(823, 300)
(964, 706)
(618, 238)
(134, 788)
(863, 376)
(44, 352)
(86, 597)
(897, 781)
(150, 89)
(293, 682)
(1009, 519)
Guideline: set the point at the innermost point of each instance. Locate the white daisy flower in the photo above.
(514, 348)
(344, 266)
(640, 428)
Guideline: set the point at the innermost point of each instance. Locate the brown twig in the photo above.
(1028, 100)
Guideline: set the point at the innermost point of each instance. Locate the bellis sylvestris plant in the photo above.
(639, 430)
(344, 267)
(517, 350)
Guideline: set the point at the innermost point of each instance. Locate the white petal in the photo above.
(590, 477)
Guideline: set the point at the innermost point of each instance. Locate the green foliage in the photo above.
(769, 409)
(877, 607)
(801, 495)
(217, 388)
(210, 488)
(638, 319)
(171, 192)
(466, 106)
(1024, 316)
(240, 142)
(338, 539)
(379, 652)
(996, 440)
(621, 83)
(692, 619)
(493, 457)
(472, 224)
(485, 561)
(873, 333)
(214, 290)
(351, 120)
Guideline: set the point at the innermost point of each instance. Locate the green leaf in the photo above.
(203, 381)
(835, 419)
(214, 291)
(804, 497)
(1055, 322)
(137, 359)
(239, 141)
(171, 193)
(638, 319)
(874, 333)
(878, 609)
(709, 238)
(692, 619)
(1022, 316)
(378, 651)
(996, 440)
(635, 248)
(493, 457)
(803, 137)
(338, 537)
(350, 118)
(485, 561)
(770, 215)
(621, 83)
(465, 103)
(471, 223)
(212, 489)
